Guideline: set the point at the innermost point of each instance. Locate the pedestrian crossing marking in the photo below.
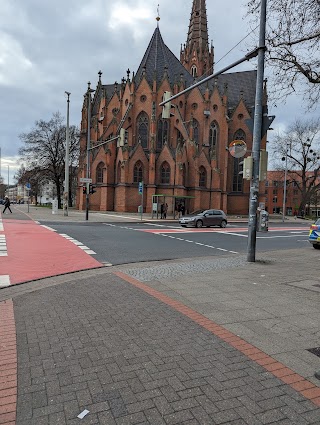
(78, 244)
(3, 246)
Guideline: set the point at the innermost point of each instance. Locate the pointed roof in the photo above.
(198, 27)
(235, 83)
(158, 58)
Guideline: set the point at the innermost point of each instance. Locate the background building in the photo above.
(184, 157)
(274, 195)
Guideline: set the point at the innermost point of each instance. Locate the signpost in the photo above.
(140, 189)
(28, 187)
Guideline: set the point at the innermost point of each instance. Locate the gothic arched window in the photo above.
(165, 173)
(138, 172)
(99, 172)
(196, 131)
(194, 71)
(202, 177)
(119, 172)
(213, 135)
(163, 132)
(237, 181)
(143, 129)
(239, 135)
(184, 175)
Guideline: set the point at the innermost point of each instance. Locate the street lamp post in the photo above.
(66, 169)
(89, 91)
(8, 180)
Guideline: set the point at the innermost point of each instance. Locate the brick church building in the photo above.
(184, 157)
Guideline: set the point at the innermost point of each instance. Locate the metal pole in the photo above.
(8, 180)
(285, 187)
(88, 147)
(142, 201)
(66, 168)
(254, 188)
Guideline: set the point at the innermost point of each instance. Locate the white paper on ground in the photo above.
(83, 414)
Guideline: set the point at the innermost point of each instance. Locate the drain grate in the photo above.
(315, 351)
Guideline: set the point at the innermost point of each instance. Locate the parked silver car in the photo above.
(204, 218)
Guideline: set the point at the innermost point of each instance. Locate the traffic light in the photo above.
(84, 190)
(247, 168)
(265, 124)
(123, 137)
(263, 167)
(166, 111)
(91, 189)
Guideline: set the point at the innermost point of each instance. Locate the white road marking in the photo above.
(164, 233)
(78, 244)
(49, 228)
(235, 234)
(277, 237)
(3, 246)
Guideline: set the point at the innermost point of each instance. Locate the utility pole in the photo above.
(285, 186)
(257, 130)
(89, 91)
(66, 167)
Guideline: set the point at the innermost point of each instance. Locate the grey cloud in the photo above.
(68, 42)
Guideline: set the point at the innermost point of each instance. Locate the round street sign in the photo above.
(28, 186)
(238, 148)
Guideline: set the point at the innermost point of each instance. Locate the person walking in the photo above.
(7, 204)
(161, 210)
(165, 210)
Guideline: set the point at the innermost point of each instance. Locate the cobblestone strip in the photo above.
(8, 364)
(279, 370)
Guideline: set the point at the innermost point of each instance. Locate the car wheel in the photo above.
(316, 246)
(199, 223)
(223, 223)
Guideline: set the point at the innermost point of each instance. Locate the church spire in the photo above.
(196, 56)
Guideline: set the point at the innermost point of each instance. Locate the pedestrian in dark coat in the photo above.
(161, 210)
(7, 204)
(165, 210)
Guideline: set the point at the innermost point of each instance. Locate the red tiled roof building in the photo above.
(184, 156)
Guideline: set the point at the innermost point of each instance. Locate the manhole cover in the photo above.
(315, 351)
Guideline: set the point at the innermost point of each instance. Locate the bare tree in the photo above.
(36, 177)
(293, 42)
(301, 145)
(44, 149)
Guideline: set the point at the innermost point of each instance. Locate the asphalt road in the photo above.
(123, 242)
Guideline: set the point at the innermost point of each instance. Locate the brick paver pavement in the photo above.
(104, 345)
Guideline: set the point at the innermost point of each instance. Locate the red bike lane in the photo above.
(35, 252)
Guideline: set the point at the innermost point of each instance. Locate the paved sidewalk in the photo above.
(134, 350)
(104, 345)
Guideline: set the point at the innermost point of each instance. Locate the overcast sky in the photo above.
(48, 47)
